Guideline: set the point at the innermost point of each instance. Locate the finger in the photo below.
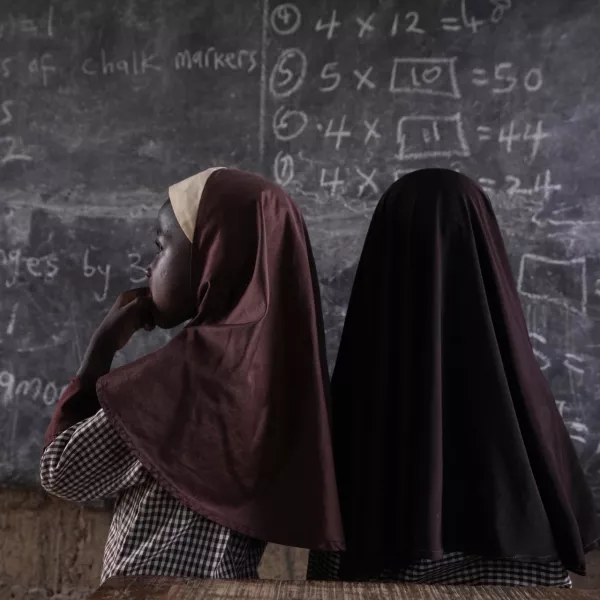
(140, 313)
(130, 295)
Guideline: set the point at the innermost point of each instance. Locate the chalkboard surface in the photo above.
(104, 104)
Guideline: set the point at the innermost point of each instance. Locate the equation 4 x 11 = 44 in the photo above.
(510, 134)
(289, 124)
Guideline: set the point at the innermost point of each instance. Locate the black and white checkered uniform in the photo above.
(151, 532)
(456, 568)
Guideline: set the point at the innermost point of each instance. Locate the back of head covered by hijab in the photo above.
(231, 417)
(446, 434)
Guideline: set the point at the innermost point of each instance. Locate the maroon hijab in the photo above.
(446, 434)
(231, 416)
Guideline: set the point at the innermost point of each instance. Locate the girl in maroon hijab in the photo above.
(218, 442)
(453, 463)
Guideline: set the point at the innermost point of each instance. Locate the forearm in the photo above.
(96, 362)
(77, 403)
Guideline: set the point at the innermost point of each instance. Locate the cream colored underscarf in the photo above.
(185, 199)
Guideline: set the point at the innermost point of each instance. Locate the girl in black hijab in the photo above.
(453, 463)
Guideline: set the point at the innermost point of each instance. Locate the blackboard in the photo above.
(103, 105)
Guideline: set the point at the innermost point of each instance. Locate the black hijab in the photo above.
(446, 434)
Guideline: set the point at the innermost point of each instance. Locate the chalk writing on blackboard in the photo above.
(349, 98)
(435, 76)
(288, 123)
(214, 59)
(288, 73)
(18, 25)
(16, 265)
(537, 276)
(134, 63)
(286, 19)
(36, 389)
(137, 270)
(91, 269)
(506, 77)
(410, 22)
(431, 136)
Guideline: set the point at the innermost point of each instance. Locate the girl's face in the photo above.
(170, 278)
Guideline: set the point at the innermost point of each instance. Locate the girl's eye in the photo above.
(158, 246)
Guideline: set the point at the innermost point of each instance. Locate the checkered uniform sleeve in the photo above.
(89, 461)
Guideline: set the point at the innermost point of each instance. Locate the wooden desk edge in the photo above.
(159, 588)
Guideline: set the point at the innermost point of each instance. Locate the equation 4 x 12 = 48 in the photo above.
(286, 19)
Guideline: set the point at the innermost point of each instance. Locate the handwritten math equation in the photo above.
(286, 19)
(420, 110)
(447, 133)
(339, 129)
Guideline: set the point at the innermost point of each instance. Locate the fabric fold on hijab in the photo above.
(446, 434)
(232, 415)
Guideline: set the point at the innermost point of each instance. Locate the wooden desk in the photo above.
(161, 588)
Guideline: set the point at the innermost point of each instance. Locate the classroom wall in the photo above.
(53, 549)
